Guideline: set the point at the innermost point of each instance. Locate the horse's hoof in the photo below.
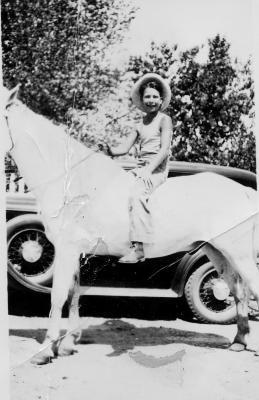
(67, 346)
(44, 356)
(237, 347)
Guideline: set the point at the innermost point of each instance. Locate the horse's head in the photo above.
(7, 99)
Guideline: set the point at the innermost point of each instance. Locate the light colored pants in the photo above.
(141, 229)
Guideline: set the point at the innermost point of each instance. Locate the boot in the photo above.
(136, 254)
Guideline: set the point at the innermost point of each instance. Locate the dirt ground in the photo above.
(125, 359)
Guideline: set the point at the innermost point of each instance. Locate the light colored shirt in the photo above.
(150, 143)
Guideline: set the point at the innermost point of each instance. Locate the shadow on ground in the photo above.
(124, 336)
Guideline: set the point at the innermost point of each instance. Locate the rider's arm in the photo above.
(124, 148)
(166, 135)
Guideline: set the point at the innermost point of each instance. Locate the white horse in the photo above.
(83, 197)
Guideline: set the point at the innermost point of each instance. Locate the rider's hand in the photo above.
(144, 174)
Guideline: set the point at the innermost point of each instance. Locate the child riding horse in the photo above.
(151, 94)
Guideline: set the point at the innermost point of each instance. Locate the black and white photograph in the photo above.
(130, 230)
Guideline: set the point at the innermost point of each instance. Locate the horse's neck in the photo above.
(42, 152)
(45, 154)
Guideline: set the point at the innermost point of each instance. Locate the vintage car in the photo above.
(190, 276)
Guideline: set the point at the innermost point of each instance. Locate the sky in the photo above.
(190, 23)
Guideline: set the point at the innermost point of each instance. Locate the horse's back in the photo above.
(184, 210)
(197, 208)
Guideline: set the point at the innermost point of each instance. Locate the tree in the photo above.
(159, 59)
(57, 50)
(239, 149)
(206, 113)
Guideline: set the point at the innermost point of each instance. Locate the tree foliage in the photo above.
(57, 50)
(109, 122)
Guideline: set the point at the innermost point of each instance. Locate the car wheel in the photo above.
(30, 254)
(209, 297)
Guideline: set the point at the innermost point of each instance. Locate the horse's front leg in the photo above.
(66, 265)
(67, 344)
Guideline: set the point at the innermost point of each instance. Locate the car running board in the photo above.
(126, 292)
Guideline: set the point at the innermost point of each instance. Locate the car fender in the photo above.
(22, 219)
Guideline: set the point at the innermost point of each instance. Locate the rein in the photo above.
(9, 129)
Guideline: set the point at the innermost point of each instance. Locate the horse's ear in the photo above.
(12, 95)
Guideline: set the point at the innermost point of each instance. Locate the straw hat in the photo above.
(135, 94)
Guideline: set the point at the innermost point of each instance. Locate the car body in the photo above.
(187, 275)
